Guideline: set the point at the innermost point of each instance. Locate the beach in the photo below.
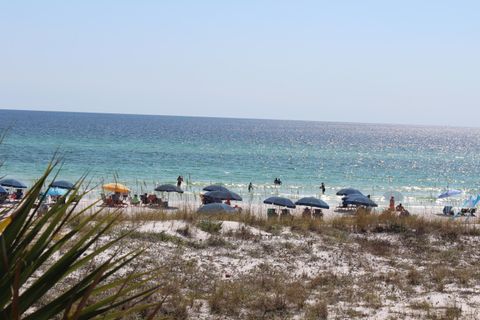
(245, 265)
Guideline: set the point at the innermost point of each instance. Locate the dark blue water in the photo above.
(144, 150)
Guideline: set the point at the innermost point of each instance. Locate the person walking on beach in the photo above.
(322, 187)
(179, 181)
(392, 204)
(250, 187)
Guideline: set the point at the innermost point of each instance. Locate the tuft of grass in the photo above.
(317, 311)
(156, 237)
(215, 241)
(209, 226)
(376, 247)
(414, 277)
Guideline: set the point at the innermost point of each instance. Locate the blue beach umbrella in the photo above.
(168, 188)
(55, 192)
(215, 187)
(215, 208)
(280, 201)
(470, 202)
(12, 183)
(359, 199)
(449, 193)
(312, 202)
(223, 195)
(348, 191)
(63, 184)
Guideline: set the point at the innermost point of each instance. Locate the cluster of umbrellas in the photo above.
(307, 202)
(217, 193)
(57, 188)
(351, 196)
(470, 202)
(220, 193)
(355, 197)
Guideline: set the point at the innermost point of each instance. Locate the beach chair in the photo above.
(271, 213)
(104, 198)
(468, 211)
(163, 204)
(448, 211)
(3, 198)
(307, 213)
(318, 213)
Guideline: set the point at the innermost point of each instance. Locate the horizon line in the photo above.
(245, 118)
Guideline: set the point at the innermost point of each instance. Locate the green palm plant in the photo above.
(40, 250)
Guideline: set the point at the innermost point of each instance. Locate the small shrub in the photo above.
(452, 313)
(210, 226)
(243, 233)
(156, 237)
(296, 294)
(214, 241)
(414, 277)
(226, 299)
(376, 247)
(317, 311)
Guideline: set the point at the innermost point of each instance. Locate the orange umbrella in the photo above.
(116, 187)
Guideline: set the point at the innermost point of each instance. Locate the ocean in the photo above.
(144, 150)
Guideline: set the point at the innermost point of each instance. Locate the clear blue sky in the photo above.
(362, 61)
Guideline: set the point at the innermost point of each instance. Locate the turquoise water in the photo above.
(142, 151)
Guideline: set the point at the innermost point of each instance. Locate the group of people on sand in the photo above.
(399, 208)
(117, 199)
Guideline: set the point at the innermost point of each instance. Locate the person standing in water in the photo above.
(322, 188)
(250, 187)
(179, 181)
(392, 203)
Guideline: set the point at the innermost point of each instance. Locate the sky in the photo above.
(412, 62)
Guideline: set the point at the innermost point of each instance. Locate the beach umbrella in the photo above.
(55, 192)
(216, 208)
(63, 184)
(215, 187)
(470, 202)
(280, 201)
(476, 201)
(223, 195)
(359, 199)
(3, 191)
(395, 194)
(348, 191)
(449, 193)
(312, 202)
(168, 188)
(12, 183)
(116, 187)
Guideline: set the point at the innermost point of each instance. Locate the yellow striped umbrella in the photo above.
(116, 187)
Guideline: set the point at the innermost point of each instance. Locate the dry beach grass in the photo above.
(377, 266)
